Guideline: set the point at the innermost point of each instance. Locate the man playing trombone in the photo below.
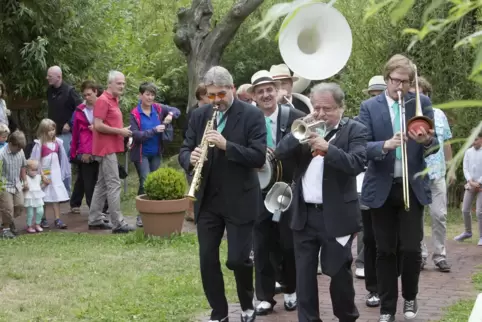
(391, 188)
(325, 208)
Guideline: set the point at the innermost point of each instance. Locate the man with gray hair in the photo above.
(244, 95)
(229, 195)
(325, 208)
(108, 139)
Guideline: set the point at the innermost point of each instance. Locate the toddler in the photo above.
(33, 197)
(4, 132)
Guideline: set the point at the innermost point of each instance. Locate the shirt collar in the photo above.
(390, 101)
(274, 117)
(110, 96)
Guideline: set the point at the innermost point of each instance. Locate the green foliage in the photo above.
(165, 184)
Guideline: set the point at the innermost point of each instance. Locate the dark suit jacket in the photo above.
(245, 132)
(299, 105)
(375, 115)
(344, 160)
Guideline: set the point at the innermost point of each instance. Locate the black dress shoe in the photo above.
(247, 318)
(264, 308)
(102, 226)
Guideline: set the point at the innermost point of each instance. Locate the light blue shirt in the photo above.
(436, 162)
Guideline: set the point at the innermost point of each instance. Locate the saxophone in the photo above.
(196, 180)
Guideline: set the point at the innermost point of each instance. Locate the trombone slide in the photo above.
(403, 148)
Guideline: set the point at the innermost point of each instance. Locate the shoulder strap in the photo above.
(285, 114)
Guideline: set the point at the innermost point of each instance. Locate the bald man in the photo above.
(62, 101)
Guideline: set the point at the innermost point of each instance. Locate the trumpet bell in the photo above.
(301, 129)
(316, 41)
(418, 122)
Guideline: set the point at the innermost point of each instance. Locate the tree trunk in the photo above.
(202, 45)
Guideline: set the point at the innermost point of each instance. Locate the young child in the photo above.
(33, 197)
(55, 166)
(473, 188)
(13, 173)
(4, 132)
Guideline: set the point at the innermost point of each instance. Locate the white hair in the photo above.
(218, 76)
(243, 88)
(334, 89)
(56, 70)
(113, 74)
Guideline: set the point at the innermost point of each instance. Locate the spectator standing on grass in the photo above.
(108, 140)
(150, 124)
(13, 173)
(473, 188)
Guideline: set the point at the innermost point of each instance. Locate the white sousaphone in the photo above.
(315, 43)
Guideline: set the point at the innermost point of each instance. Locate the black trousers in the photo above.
(210, 228)
(273, 255)
(392, 225)
(336, 262)
(370, 253)
(85, 184)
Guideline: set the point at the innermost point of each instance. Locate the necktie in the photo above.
(269, 134)
(221, 125)
(396, 127)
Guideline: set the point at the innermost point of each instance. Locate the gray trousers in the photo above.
(438, 212)
(108, 187)
(469, 197)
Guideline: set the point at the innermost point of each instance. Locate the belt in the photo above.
(314, 205)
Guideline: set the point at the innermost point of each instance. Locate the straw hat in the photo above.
(281, 71)
(261, 77)
(376, 83)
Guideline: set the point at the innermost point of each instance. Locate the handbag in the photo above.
(168, 134)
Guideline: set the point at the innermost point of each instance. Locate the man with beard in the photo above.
(270, 236)
(229, 193)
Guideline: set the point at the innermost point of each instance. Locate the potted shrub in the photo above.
(163, 206)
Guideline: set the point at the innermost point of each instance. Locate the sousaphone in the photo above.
(316, 41)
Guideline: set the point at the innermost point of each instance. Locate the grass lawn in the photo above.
(80, 277)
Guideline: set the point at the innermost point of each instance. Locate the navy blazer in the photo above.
(375, 115)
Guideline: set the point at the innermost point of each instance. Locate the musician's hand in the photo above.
(424, 137)
(281, 96)
(316, 142)
(217, 139)
(195, 155)
(394, 142)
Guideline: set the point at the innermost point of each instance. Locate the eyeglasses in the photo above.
(212, 96)
(396, 81)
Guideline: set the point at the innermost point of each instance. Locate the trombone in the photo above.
(403, 148)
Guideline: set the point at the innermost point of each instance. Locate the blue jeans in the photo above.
(67, 138)
(144, 167)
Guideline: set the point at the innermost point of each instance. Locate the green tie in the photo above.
(396, 127)
(220, 127)
(269, 134)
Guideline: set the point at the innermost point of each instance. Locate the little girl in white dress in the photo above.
(55, 165)
(33, 197)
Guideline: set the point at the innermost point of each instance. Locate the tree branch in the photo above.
(218, 39)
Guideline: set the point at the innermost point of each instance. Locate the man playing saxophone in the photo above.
(228, 195)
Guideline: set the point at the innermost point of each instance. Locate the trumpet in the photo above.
(403, 148)
(196, 180)
(302, 128)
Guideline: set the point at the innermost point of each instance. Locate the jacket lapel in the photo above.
(234, 114)
(385, 113)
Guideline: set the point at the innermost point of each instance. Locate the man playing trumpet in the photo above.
(325, 208)
(384, 190)
(272, 237)
(229, 193)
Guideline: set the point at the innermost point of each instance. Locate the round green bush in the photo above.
(165, 184)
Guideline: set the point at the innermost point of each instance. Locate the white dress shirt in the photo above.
(473, 164)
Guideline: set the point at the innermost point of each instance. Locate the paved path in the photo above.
(437, 290)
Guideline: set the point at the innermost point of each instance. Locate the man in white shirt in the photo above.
(473, 189)
(326, 212)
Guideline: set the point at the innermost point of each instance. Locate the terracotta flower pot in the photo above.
(161, 217)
